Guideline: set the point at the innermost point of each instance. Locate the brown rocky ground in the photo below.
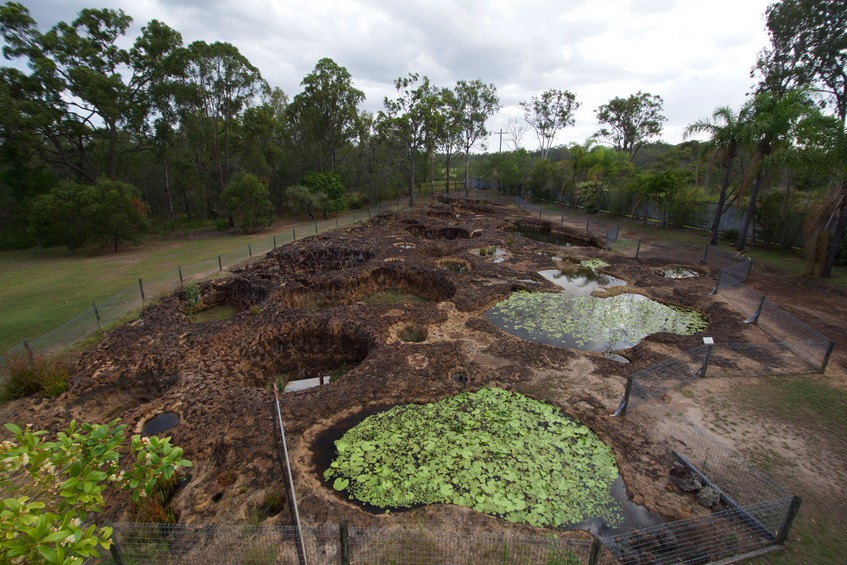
(303, 309)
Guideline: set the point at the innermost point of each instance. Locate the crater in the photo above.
(393, 284)
(118, 396)
(454, 264)
(161, 423)
(327, 258)
(449, 232)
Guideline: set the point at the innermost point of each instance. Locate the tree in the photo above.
(406, 117)
(446, 133)
(808, 49)
(331, 188)
(84, 91)
(248, 200)
(727, 130)
(475, 103)
(631, 121)
(78, 215)
(326, 110)
(516, 130)
(548, 114)
(52, 489)
(771, 127)
(214, 84)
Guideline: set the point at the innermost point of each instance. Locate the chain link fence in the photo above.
(611, 231)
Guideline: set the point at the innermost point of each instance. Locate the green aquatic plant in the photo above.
(594, 263)
(587, 322)
(495, 451)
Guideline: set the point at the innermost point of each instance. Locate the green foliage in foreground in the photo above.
(51, 489)
(579, 321)
(495, 451)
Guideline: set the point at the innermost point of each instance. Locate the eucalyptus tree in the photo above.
(327, 109)
(213, 85)
(631, 121)
(406, 117)
(447, 134)
(770, 129)
(85, 94)
(726, 128)
(475, 103)
(808, 49)
(516, 129)
(549, 113)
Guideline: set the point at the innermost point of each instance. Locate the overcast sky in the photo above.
(697, 55)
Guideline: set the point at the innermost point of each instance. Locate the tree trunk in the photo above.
(748, 216)
(412, 184)
(447, 161)
(467, 172)
(836, 240)
(721, 201)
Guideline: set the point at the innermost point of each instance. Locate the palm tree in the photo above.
(769, 129)
(726, 129)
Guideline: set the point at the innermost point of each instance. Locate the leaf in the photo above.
(340, 483)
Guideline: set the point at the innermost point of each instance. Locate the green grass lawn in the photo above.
(42, 288)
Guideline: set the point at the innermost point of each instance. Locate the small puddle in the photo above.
(161, 423)
(549, 237)
(678, 273)
(455, 265)
(635, 516)
(498, 254)
(580, 281)
(589, 323)
(303, 384)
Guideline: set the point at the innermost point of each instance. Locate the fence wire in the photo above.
(149, 288)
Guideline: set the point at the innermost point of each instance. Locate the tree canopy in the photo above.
(631, 121)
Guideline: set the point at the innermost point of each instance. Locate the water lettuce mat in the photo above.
(589, 323)
(495, 451)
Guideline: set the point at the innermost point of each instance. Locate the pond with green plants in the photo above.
(590, 323)
(492, 450)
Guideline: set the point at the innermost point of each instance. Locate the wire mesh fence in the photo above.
(611, 231)
(137, 544)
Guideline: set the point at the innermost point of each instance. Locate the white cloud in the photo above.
(696, 55)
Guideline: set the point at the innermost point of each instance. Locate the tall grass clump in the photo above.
(45, 375)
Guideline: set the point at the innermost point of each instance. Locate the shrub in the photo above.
(191, 292)
(248, 200)
(330, 185)
(731, 235)
(46, 375)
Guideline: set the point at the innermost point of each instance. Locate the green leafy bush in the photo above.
(495, 451)
(330, 185)
(52, 489)
(248, 200)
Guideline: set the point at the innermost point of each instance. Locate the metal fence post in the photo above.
(594, 555)
(220, 263)
(637, 248)
(754, 319)
(717, 284)
(274, 242)
(250, 250)
(294, 234)
(826, 357)
(793, 508)
(179, 270)
(141, 288)
(562, 221)
(97, 315)
(344, 536)
(624, 405)
(316, 228)
(710, 343)
(705, 253)
(26, 345)
(115, 550)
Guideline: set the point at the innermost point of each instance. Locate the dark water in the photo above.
(581, 281)
(161, 423)
(547, 237)
(634, 516)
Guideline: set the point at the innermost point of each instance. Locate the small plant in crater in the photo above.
(46, 375)
(255, 310)
(271, 505)
(191, 292)
(412, 334)
(594, 263)
(483, 251)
